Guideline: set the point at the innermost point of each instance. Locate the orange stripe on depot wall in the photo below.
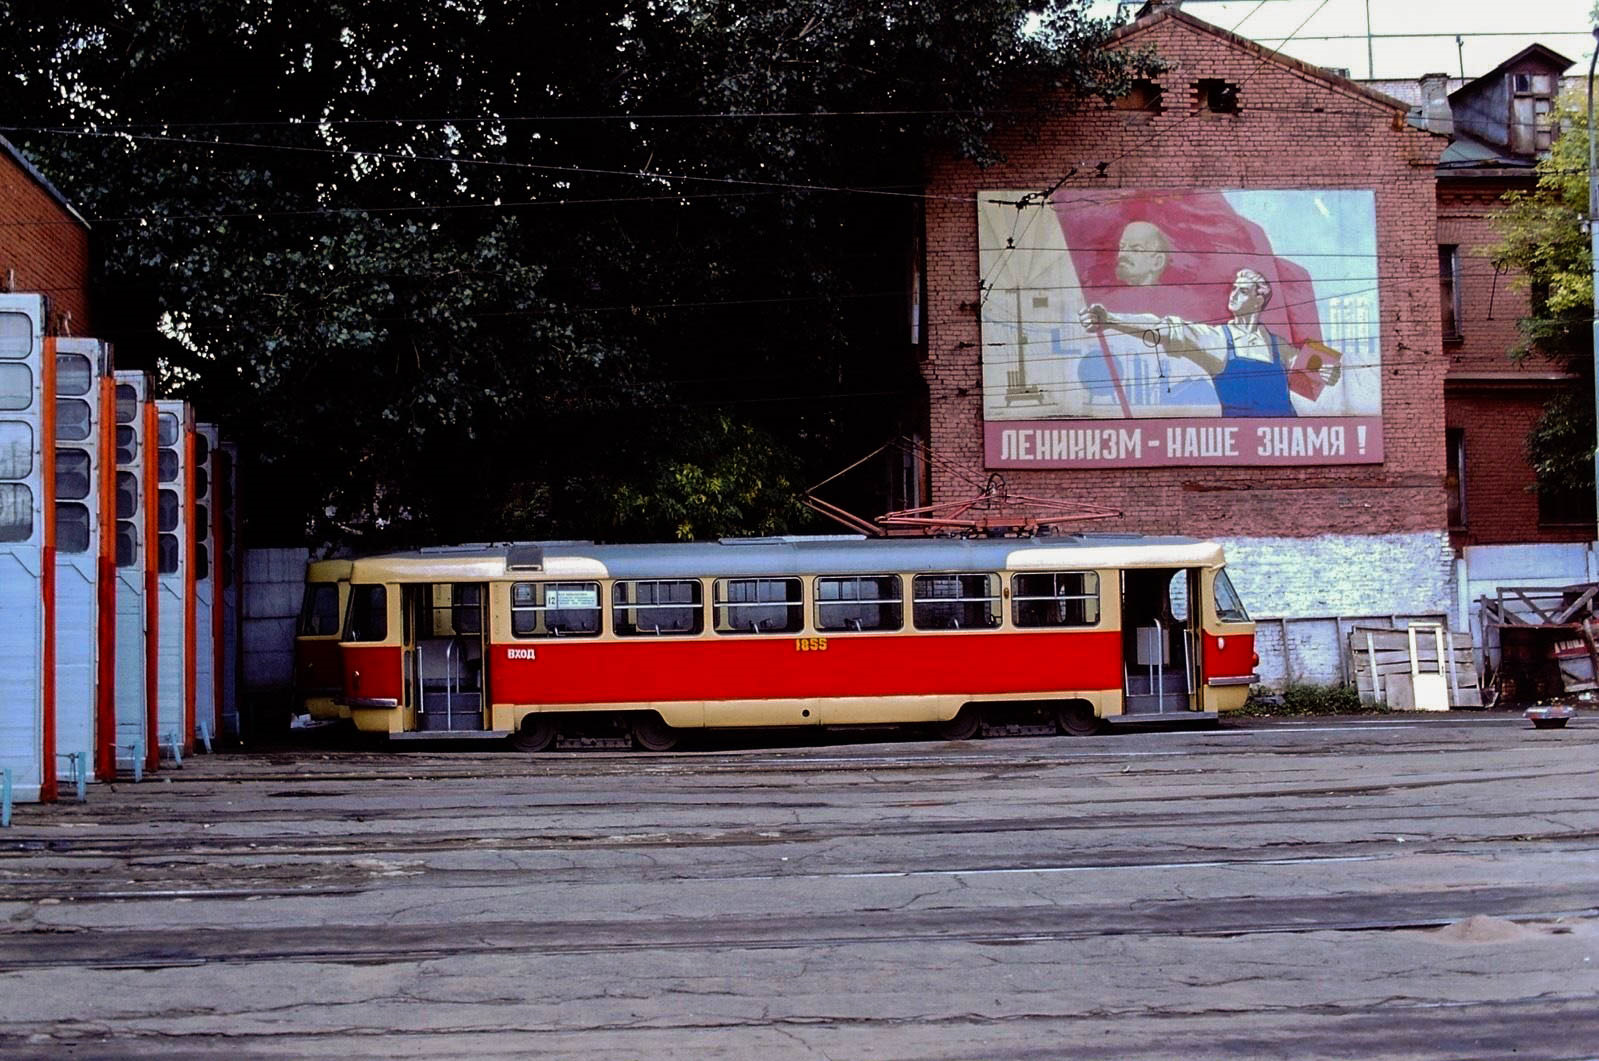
(152, 595)
(191, 616)
(47, 568)
(105, 706)
(730, 668)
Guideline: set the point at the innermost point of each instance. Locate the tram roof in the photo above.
(335, 570)
(748, 557)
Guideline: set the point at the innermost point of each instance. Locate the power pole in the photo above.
(1593, 237)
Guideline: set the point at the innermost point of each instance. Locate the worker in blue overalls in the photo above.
(1245, 361)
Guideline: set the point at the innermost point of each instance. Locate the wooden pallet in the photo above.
(1382, 666)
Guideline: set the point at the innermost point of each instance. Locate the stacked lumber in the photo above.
(1383, 667)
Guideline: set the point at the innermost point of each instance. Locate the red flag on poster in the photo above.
(1115, 245)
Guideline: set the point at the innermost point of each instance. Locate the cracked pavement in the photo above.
(1397, 887)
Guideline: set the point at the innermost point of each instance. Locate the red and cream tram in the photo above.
(540, 640)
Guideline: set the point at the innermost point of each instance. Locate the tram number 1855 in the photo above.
(810, 644)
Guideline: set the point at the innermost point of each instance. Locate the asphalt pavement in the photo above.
(1393, 887)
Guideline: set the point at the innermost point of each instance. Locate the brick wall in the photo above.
(1500, 506)
(1295, 129)
(1491, 303)
(1491, 400)
(45, 249)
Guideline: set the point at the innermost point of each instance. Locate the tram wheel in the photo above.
(1078, 720)
(964, 726)
(652, 734)
(536, 734)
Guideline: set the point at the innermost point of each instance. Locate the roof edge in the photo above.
(44, 182)
(1319, 73)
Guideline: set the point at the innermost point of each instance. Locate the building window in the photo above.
(1565, 508)
(1449, 289)
(1455, 477)
(1532, 113)
(1144, 97)
(1216, 96)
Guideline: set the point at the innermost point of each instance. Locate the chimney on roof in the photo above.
(1153, 6)
(1435, 110)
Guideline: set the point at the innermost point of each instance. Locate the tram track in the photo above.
(1556, 910)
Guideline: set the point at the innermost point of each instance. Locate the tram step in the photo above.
(1161, 716)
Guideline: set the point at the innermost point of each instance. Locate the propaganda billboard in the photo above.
(1136, 329)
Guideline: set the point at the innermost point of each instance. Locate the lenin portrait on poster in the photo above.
(1128, 329)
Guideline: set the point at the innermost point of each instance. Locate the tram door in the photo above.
(1159, 623)
(444, 650)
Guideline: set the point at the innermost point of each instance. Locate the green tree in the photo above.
(1544, 243)
(488, 269)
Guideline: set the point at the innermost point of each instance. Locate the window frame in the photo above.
(540, 611)
(723, 606)
(995, 600)
(1017, 599)
(362, 595)
(897, 602)
(630, 604)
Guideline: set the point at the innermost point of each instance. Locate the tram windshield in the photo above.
(1229, 608)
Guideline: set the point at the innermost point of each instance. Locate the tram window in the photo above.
(72, 527)
(1055, 598)
(16, 335)
(72, 474)
(202, 521)
(127, 444)
(202, 482)
(202, 449)
(166, 554)
(166, 510)
(16, 449)
(127, 495)
(319, 610)
(166, 466)
(1229, 609)
(758, 606)
(369, 614)
(16, 387)
(16, 512)
(863, 602)
(466, 608)
(955, 602)
(127, 403)
(202, 561)
(657, 607)
(555, 609)
(74, 374)
(166, 429)
(127, 543)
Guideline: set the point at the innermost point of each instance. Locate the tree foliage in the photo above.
(480, 269)
(1545, 245)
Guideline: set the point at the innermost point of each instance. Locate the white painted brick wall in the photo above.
(1309, 582)
(273, 585)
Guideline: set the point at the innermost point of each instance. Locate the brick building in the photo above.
(1498, 125)
(46, 244)
(1329, 493)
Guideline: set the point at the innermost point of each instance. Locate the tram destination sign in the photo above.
(1183, 442)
